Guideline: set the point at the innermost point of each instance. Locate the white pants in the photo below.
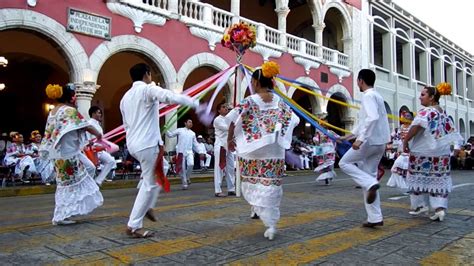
(108, 163)
(187, 167)
(421, 200)
(148, 188)
(304, 161)
(207, 162)
(228, 171)
(364, 174)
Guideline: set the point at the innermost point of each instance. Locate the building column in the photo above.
(235, 9)
(318, 34)
(84, 93)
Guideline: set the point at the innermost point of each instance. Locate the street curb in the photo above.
(118, 184)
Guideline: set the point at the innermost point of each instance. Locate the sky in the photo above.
(453, 19)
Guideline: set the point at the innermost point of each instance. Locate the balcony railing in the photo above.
(207, 16)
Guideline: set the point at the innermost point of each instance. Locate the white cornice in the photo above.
(139, 17)
(306, 63)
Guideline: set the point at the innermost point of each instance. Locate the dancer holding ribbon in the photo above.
(140, 114)
(261, 128)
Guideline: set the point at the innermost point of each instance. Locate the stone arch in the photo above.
(74, 53)
(346, 22)
(314, 100)
(341, 89)
(136, 44)
(462, 127)
(200, 60)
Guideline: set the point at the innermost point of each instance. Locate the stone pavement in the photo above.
(320, 225)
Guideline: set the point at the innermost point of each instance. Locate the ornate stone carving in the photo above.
(266, 52)
(212, 37)
(306, 63)
(340, 73)
(32, 3)
(138, 16)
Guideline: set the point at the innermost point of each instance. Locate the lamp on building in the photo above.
(2, 86)
(3, 61)
(51, 107)
(307, 124)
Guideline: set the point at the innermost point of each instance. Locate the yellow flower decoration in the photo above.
(54, 91)
(270, 69)
(444, 88)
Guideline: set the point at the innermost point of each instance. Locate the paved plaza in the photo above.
(319, 225)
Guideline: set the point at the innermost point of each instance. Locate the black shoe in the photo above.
(358, 187)
(372, 225)
(231, 193)
(220, 195)
(255, 216)
(372, 193)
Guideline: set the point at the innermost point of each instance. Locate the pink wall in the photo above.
(174, 38)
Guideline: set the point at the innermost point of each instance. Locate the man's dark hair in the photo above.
(138, 71)
(219, 106)
(93, 109)
(368, 76)
(69, 91)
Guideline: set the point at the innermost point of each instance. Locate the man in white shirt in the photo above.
(223, 159)
(372, 133)
(204, 158)
(106, 160)
(184, 149)
(140, 114)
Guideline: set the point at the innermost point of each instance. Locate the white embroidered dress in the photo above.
(76, 191)
(263, 132)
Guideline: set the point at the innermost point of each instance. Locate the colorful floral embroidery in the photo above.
(66, 119)
(267, 168)
(257, 122)
(439, 123)
(429, 174)
(263, 181)
(68, 170)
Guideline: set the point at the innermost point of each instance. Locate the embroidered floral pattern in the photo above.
(68, 170)
(257, 122)
(263, 181)
(438, 123)
(267, 168)
(66, 119)
(429, 174)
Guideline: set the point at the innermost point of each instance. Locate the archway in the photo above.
(23, 103)
(462, 128)
(336, 112)
(114, 80)
(305, 130)
(197, 75)
(333, 32)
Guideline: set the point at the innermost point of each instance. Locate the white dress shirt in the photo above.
(372, 124)
(186, 139)
(221, 127)
(97, 126)
(140, 114)
(201, 148)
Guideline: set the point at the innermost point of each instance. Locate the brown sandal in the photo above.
(138, 234)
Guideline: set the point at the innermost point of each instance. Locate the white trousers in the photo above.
(187, 168)
(304, 161)
(422, 199)
(207, 162)
(148, 188)
(228, 171)
(367, 158)
(108, 163)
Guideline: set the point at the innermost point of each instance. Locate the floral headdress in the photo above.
(54, 91)
(270, 69)
(444, 88)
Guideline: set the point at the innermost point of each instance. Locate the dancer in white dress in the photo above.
(64, 136)
(261, 128)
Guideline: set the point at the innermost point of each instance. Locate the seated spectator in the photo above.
(17, 157)
(204, 157)
(461, 158)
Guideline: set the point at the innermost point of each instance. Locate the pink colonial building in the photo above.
(93, 43)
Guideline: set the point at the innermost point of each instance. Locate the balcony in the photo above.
(208, 22)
